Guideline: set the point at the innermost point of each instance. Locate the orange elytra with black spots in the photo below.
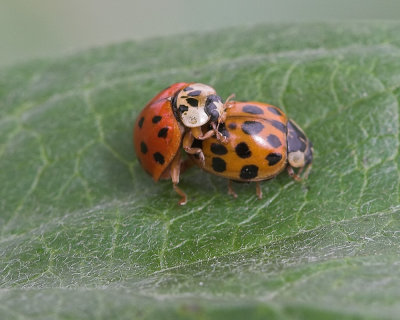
(172, 119)
(157, 134)
(261, 143)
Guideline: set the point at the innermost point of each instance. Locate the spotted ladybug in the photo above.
(174, 118)
(262, 142)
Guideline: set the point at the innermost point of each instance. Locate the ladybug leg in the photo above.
(208, 134)
(175, 171)
(222, 119)
(187, 146)
(307, 171)
(292, 173)
(218, 134)
(258, 190)
(230, 189)
(300, 171)
(183, 199)
(198, 134)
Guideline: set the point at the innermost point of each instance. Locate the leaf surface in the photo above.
(85, 233)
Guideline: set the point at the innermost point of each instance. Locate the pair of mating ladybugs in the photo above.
(240, 141)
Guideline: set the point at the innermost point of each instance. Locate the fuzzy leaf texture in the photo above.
(86, 234)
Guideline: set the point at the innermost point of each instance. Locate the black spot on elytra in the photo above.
(273, 158)
(193, 102)
(158, 157)
(274, 111)
(194, 93)
(140, 123)
(156, 119)
(183, 108)
(278, 125)
(242, 150)
(249, 172)
(143, 147)
(295, 138)
(252, 127)
(163, 132)
(274, 141)
(253, 109)
(188, 89)
(219, 149)
(232, 126)
(218, 164)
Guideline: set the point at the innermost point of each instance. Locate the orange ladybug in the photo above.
(261, 143)
(174, 118)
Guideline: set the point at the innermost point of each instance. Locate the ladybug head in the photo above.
(197, 104)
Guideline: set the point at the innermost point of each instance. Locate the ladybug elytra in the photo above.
(261, 143)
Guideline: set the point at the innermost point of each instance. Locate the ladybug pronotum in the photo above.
(174, 118)
(261, 143)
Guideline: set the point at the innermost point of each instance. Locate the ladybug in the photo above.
(262, 142)
(174, 118)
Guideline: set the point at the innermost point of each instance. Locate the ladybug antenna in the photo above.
(229, 100)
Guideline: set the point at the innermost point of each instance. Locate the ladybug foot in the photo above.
(306, 171)
(258, 190)
(202, 158)
(197, 152)
(231, 191)
(183, 199)
(221, 137)
(293, 174)
(216, 132)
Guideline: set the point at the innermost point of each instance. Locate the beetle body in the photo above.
(172, 119)
(262, 142)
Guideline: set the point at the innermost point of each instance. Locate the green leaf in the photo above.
(85, 233)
